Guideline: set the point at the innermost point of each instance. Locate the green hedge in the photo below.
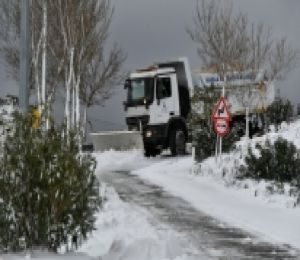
(280, 110)
(279, 162)
(48, 190)
(204, 140)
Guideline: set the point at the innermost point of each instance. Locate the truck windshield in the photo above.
(139, 90)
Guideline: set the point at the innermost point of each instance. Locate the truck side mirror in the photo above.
(127, 84)
(125, 105)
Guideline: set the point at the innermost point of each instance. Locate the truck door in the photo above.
(166, 103)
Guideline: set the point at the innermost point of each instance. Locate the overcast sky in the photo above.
(153, 30)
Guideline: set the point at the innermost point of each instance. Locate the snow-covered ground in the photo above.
(126, 231)
(269, 216)
(209, 187)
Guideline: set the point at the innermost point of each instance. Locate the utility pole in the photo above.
(24, 56)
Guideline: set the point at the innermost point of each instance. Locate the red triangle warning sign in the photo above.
(221, 110)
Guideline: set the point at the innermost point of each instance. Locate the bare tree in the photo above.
(68, 42)
(221, 37)
(89, 74)
(10, 43)
(10, 35)
(99, 77)
(283, 59)
(228, 42)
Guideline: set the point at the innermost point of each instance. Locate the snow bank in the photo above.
(120, 161)
(126, 231)
(290, 132)
(239, 207)
(211, 187)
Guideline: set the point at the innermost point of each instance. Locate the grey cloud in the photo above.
(151, 30)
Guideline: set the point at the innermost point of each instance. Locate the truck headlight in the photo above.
(148, 133)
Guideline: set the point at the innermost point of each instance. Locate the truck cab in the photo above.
(158, 103)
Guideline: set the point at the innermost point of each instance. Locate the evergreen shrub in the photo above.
(200, 125)
(279, 111)
(278, 162)
(48, 190)
(204, 140)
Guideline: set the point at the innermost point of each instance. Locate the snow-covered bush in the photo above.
(278, 162)
(200, 124)
(205, 139)
(279, 111)
(48, 190)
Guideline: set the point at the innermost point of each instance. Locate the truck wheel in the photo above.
(151, 151)
(177, 142)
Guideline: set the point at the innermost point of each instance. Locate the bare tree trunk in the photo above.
(77, 103)
(37, 83)
(44, 63)
(67, 105)
(84, 122)
(73, 102)
(35, 61)
(48, 105)
(77, 114)
(44, 55)
(68, 90)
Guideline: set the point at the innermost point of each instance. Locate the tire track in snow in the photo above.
(214, 238)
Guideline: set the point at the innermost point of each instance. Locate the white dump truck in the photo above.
(159, 101)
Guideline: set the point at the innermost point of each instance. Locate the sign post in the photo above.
(221, 120)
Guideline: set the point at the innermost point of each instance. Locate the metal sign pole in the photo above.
(220, 151)
(221, 118)
(24, 56)
(216, 151)
(221, 138)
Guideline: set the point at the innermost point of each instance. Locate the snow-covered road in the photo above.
(209, 237)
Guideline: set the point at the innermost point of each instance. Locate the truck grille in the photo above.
(135, 121)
